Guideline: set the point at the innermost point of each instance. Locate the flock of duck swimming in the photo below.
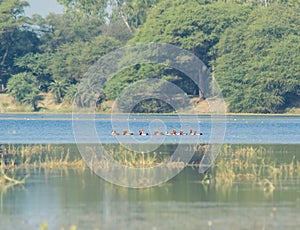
(142, 132)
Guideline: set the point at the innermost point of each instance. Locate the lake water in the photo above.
(237, 129)
(65, 197)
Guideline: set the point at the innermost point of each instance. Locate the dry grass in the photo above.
(48, 105)
(254, 165)
(200, 106)
(38, 156)
(8, 105)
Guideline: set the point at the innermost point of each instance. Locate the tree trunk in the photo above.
(123, 17)
(5, 55)
(201, 95)
(201, 85)
(126, 22)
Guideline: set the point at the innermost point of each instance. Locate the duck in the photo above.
(143, 133)
(126, 132)
(114, 133)
(182, 133)
(168, 133)
(157, 133)
(195, 133)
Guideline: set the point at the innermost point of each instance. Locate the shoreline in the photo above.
(157, 114)
(50, 108)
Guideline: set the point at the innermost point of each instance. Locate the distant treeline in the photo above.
(251, 46)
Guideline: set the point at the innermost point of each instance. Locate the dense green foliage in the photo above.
(195, 27)
(23, 88)
(258, 64)
(16, 39)
(251, 46)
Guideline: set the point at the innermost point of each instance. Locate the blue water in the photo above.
(239, 129)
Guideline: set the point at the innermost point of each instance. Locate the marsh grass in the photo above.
(252, 164)
(14, 158)
(9, 179)
(256, 164)
(124, 156)
(137, 155)
(22, 156)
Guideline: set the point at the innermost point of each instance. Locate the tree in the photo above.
(133, 13)
(22, 87)
(117, 29)
(86, 8)
(38, 65)
(70, 93)
(58, 29)
(33, 99)
(16, 39)
(128, 76)
(199, 30)
(258, 62)
(58, 90)
(72, 60)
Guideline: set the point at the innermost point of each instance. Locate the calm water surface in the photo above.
(239, 129)
(63, 198)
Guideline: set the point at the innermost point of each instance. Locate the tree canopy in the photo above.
(251, 46)
(258, 62)
(16, 39)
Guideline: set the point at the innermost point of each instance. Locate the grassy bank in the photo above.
(48, 105)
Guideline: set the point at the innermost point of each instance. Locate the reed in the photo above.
(14, 157)
(145, 156)
(9, 179)
(251, 163)
(257, 165)
(135, 159)
(53, 156)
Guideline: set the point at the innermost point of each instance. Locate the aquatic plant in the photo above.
(135, 159)
(8, 178)
(137, 155)
(6, 181)
(254, 164)
(39, 156)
